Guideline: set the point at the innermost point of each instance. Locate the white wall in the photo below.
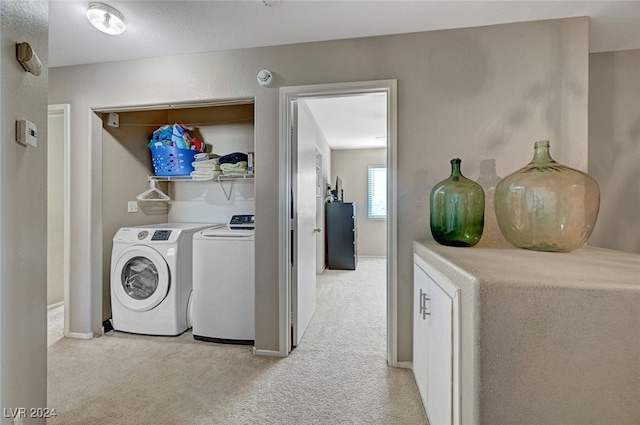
(614, 147)
(23, 213)
(476, 93)
(206, 202)
(352, 167)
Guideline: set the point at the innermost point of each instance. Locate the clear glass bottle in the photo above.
(546, 206)
(457, 209)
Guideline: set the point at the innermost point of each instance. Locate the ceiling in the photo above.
(352, 122)
(161, 28)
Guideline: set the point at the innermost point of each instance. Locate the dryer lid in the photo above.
(227, 233)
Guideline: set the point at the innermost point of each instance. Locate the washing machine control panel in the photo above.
(242, 222)
(145, 234)
(161, 235)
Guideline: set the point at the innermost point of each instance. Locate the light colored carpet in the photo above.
(338, 375)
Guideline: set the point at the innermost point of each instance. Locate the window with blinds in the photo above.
(377, 192)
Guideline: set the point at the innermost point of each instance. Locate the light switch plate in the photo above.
(132, 207)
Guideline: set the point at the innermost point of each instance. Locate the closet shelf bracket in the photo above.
(227, 195)
(231, 178)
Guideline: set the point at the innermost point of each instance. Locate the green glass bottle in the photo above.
(457, 209)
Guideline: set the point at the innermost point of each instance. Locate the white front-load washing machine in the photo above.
(151, 278)
(223, 282)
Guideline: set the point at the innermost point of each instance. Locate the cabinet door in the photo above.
(435, 347)
(420, 332)
(439, 356)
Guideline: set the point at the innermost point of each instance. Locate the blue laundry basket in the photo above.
(172, 161)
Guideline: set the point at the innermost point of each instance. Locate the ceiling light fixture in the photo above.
(106, 18)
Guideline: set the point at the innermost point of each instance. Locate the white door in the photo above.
(304, 217)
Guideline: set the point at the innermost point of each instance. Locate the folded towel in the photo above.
(205, 167)
(238, 167)
(235, 173)
(207, 157)
(204, 175)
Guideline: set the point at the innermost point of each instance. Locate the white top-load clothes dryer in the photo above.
(151, 278)
(223, 282)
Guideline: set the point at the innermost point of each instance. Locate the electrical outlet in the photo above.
(132, 207)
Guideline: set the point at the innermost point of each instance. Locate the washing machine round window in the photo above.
(139, 278)
(144, 278)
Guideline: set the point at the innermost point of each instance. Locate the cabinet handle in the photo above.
(424, 310)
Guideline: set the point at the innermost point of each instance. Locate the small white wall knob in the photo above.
(265, 78)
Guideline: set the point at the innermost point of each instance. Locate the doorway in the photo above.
(290, 227)
(58, 225)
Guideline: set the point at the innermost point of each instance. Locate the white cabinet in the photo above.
(436, 343)
(540, 337)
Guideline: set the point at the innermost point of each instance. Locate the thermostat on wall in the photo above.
(27, 133)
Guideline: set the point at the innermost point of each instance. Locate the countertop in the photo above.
(505, 265)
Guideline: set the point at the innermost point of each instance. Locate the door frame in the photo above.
(291, 94)
(64, 109)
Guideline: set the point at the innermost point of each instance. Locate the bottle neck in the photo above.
(455, 168)
(541, 153)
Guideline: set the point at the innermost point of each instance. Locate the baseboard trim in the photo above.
(372, 256)
(267, 353)
(405, 365)
(49, 307)
(79, 335)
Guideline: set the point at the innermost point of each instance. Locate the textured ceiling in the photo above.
(160, 28)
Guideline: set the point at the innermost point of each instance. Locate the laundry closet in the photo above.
(127, 169)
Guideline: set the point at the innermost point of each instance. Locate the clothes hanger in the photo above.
(153, 194)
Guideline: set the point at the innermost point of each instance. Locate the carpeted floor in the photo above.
(338, 375)
(55, 324)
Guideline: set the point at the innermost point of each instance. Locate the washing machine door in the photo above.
(140, 278)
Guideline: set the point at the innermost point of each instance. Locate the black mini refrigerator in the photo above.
(342, 250)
